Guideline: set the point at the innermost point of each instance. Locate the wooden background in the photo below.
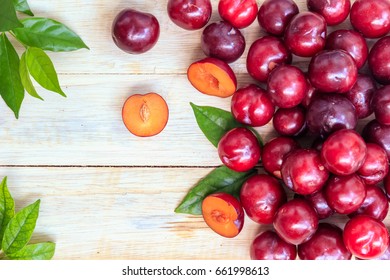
(106, 194)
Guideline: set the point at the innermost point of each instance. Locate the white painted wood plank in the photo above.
(123, 213)
(87, 129)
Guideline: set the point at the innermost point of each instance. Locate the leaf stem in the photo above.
(2, 255)
(13, 35)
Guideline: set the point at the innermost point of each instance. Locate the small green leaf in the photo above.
(42, 69)
(214, 122)
(7, 207)
(39, 251)
(23, 7)
(11, 88)
(20, 229)
(221, 179)
(25, 76)
(8, 18)
(48, 34)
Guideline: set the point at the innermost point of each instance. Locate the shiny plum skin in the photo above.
(333, 11)
(303, 171)
(330, 112)
(264, 55)
(345, 194)
(350, 41)
(376, 165)
(378, 60)
(252, 105)
(305, 34)
(240, 13)
(275, 15)
(239, 149)
(374, 132)
(365, 237)
(296, 221)
(371, 17)
(344, 152)
(374, 205)
(333, 71)
(189, 14)
(361, 95)
(135, 32)
(326, 244)
(290, 121)
(223, 41)
(274, 152)
(287, 86)
(261, 196)
(269, 246)
(381, 105)
(319, 203)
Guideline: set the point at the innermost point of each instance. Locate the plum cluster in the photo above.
(342, 171)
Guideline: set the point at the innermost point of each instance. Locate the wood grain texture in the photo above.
(87, 127)
(121, 213)
(106, 194)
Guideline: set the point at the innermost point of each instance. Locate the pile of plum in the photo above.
(345, 169)
(343, 172)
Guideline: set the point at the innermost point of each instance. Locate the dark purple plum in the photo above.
(379, 60)
(222, 40)
(377, 133)
(381, 105)
(274, 15)
(329, 112)
(135, 32)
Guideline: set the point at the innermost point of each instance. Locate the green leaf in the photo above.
(42, 69)
(221, 179)
(23, 7)
(214, 122)
(48, 34)
(25, 76)
(39, 251)
(11, 88)
(7, 207)
(20, 229)
(8, 18)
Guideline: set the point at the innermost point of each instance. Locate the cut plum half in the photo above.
(223, 213)
(145, 115)
(212, 76)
